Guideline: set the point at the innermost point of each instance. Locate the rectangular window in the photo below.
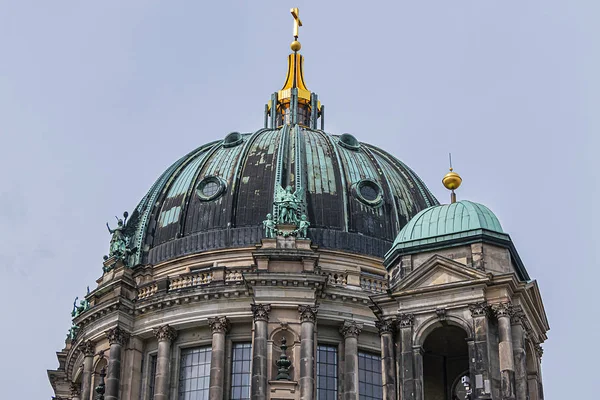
(151, 376)
(194, 373)
(370, 385)
(327, 372)
(240, 371)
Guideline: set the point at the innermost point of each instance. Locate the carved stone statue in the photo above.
(288, 204)
(83, 306)
(270, 227)
(121, 236)
(72, 335)
(303, 225)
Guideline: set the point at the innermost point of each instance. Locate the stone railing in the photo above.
(337, 278)
(373, 283)
(234, 275)
(190, 280)
(147, 291)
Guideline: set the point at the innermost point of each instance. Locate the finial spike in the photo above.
(450, 159)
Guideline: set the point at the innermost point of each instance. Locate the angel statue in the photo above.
(303, 225)
(118, 242)
(288, 204)
(121, 235)
(269, 225)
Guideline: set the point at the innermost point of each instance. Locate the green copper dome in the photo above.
(448, 219)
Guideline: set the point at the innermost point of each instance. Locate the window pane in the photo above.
(327, 372)
(240, 371)
(369, 376)
(152, 376)
(194, 373)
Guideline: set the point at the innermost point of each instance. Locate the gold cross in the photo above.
(297, 23)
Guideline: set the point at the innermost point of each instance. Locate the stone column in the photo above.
(75, 391)
(117, 338)
(259, 351)
(219, 327)
(165, 335)
(518, 338)
(350, 331)
(479, 365)
(88, 349)
(503, 313)
(308, 317)
(406, 369)
(388, 360)
(539, 352)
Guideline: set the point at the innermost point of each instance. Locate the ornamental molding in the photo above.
(406, 320)
(351, 329)
(539, 350)
(481, 309)
(503, 310)
(75, 389)
(117, 336)
(308, 313)
(385, 325)
(219, 325)
(261, 312)
(441, 314)
(165, 333)
(88, 348)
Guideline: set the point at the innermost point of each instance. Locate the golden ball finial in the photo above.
(451, 180)
(295, 46)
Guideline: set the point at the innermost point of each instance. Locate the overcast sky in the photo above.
(97, 98)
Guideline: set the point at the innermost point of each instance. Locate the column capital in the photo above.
(261, 312)
(503, 309)
(165, 332)
(75, 389)
(518, 316)
(117, 335)
(88, 348)
(406, 320)
(385, 325)
(219, 325)
(481, 309)
(351, 329)
(308, 313)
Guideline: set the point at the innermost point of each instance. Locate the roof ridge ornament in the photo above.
(451, 181)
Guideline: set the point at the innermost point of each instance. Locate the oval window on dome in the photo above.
(369, 192)
(348, 141)
(233, 139)
(210, 188)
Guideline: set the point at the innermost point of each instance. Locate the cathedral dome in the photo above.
(218, 195)
(447, 219)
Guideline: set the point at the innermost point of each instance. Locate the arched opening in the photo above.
(445, 363)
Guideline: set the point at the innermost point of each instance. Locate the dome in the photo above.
(448, 219)
(218, 195)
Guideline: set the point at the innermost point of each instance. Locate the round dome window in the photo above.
(210, 188)
(233, 139)
(348, 141)
(369, 192)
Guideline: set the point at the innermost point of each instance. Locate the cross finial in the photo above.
(297, 23)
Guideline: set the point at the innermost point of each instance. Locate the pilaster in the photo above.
(388, 361)
(259, 351)
(350, 331)
(165, 335)
(308, 317)
(219, 327)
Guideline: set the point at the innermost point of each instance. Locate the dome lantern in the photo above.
(294, 104)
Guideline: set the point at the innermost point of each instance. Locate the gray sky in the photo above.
(98, 98)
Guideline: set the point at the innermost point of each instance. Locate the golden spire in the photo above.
(452, 181)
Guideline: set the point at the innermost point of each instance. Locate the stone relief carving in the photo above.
(481, 309)
(503, 309)
(385, 325)
(308, 313)
(117, 336)
(406, 320)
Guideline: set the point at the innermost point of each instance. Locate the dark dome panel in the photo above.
(218, 196)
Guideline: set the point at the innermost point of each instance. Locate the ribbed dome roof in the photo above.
(446, 219)
(357, 198)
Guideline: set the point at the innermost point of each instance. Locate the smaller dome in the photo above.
(447, 219)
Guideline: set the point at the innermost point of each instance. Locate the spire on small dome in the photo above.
(294, 103)
(452, 181)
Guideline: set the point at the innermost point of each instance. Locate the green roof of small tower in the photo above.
(447, 219)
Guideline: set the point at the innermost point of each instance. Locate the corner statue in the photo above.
(303, 225)
(119, 242)
(288, 204)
